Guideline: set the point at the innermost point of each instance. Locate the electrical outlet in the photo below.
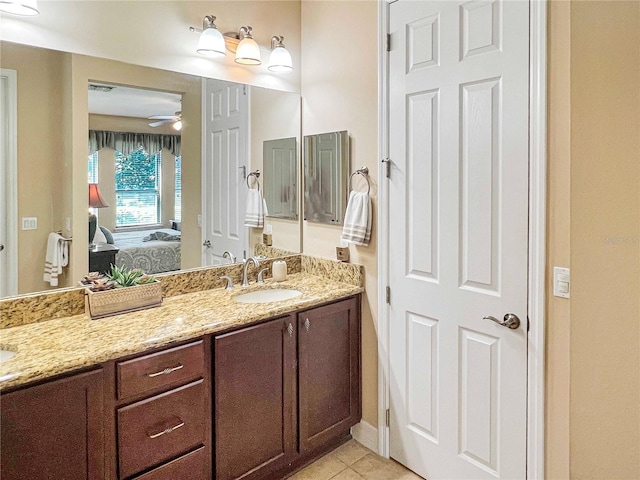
(200, 220)
(29, 223)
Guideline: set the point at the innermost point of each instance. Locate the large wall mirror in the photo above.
(153, 180)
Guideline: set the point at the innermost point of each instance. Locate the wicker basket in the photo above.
(122, 300)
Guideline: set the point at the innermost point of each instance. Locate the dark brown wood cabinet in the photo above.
(329, 372)
(254, 396)
(158, 414)
(54, 430)
(285, 391)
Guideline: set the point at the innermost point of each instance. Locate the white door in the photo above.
(225, 110)
(458, 197)
(8, 181)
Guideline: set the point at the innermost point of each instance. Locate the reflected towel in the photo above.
(357, 219)
(56, 258)
(256, 209)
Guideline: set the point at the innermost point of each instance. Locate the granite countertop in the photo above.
(58, 346)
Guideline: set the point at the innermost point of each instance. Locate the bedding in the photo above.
(159, 253)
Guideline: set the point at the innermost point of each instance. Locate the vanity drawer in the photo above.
(168, 367)
(188, 467)
(161, 427)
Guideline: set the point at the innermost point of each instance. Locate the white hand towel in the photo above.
(357, 219)
(56, 258)
(254, 217)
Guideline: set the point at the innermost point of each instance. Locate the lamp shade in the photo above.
(20, 7)
(211, 43)
(95, 197)
(280, 60)
(248, 52)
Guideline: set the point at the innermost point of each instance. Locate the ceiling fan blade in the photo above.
(161, 117)
(161, 122)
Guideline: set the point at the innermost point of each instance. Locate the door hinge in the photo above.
(528, 324)
(387, 420)
(388, 42)
(244, 90)
(387, 164)
(388, 295)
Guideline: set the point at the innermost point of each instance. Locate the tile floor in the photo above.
(352, 461)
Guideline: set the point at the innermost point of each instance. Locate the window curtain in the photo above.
(126, 143)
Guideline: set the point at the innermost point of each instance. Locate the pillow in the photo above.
(99, 237)
(107, 234)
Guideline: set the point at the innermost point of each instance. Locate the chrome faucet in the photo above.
(256, 263)
(230, 256)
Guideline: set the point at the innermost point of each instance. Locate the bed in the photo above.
(152, 251)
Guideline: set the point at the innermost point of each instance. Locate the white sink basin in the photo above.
(7, 352)
(267, 295)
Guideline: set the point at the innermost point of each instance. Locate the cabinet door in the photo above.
(54, 430)
(254, 395)
(329, 372)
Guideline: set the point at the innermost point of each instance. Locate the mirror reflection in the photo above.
(156, 182)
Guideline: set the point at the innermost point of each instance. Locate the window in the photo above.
(177, 216)
(93, 167)
(138, 189)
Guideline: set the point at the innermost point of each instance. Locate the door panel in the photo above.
(254, 400)
(329, 371)
(225, 163)
(458, 194)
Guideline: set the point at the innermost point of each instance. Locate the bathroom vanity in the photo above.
(254, 396)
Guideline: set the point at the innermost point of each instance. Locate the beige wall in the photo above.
(41, 155)
(156, 34)
(286, 124)
(339, 92)
(593, 362)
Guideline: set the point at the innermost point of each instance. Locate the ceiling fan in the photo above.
(176, 120)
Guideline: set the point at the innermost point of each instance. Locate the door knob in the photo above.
(511, 320)
(207, 243)
(1, 247)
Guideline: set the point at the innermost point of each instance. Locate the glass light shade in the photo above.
(248, 52)
(211, 43)
(20, 7)
(178, 125)
(280, 60)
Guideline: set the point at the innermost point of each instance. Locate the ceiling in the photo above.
(132, 102)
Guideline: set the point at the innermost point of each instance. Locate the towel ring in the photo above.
(256, 175)
(364, 171)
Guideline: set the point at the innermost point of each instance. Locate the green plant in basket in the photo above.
(123, 277)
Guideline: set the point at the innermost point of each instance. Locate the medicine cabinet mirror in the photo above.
(326, 171)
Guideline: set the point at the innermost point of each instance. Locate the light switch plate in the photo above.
(29, 223)
(561, 282)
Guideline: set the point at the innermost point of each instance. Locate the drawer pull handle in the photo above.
(167, 430)
(166, 371)
(307, 324)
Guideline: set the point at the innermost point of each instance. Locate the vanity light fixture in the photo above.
(27, 8)
(248, 52)
(178, 125)
(280, 58)
(211, 43)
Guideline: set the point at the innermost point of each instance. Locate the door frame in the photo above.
(10, 173)
(537, 234)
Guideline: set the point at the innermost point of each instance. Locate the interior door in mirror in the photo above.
(326, 168)
(280, 164)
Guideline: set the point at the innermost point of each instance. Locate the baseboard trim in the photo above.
(366, 434)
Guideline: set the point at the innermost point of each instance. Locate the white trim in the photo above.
(537, 236)
(383, 229)
(203, 172)
(11, 181)
(366, 434)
